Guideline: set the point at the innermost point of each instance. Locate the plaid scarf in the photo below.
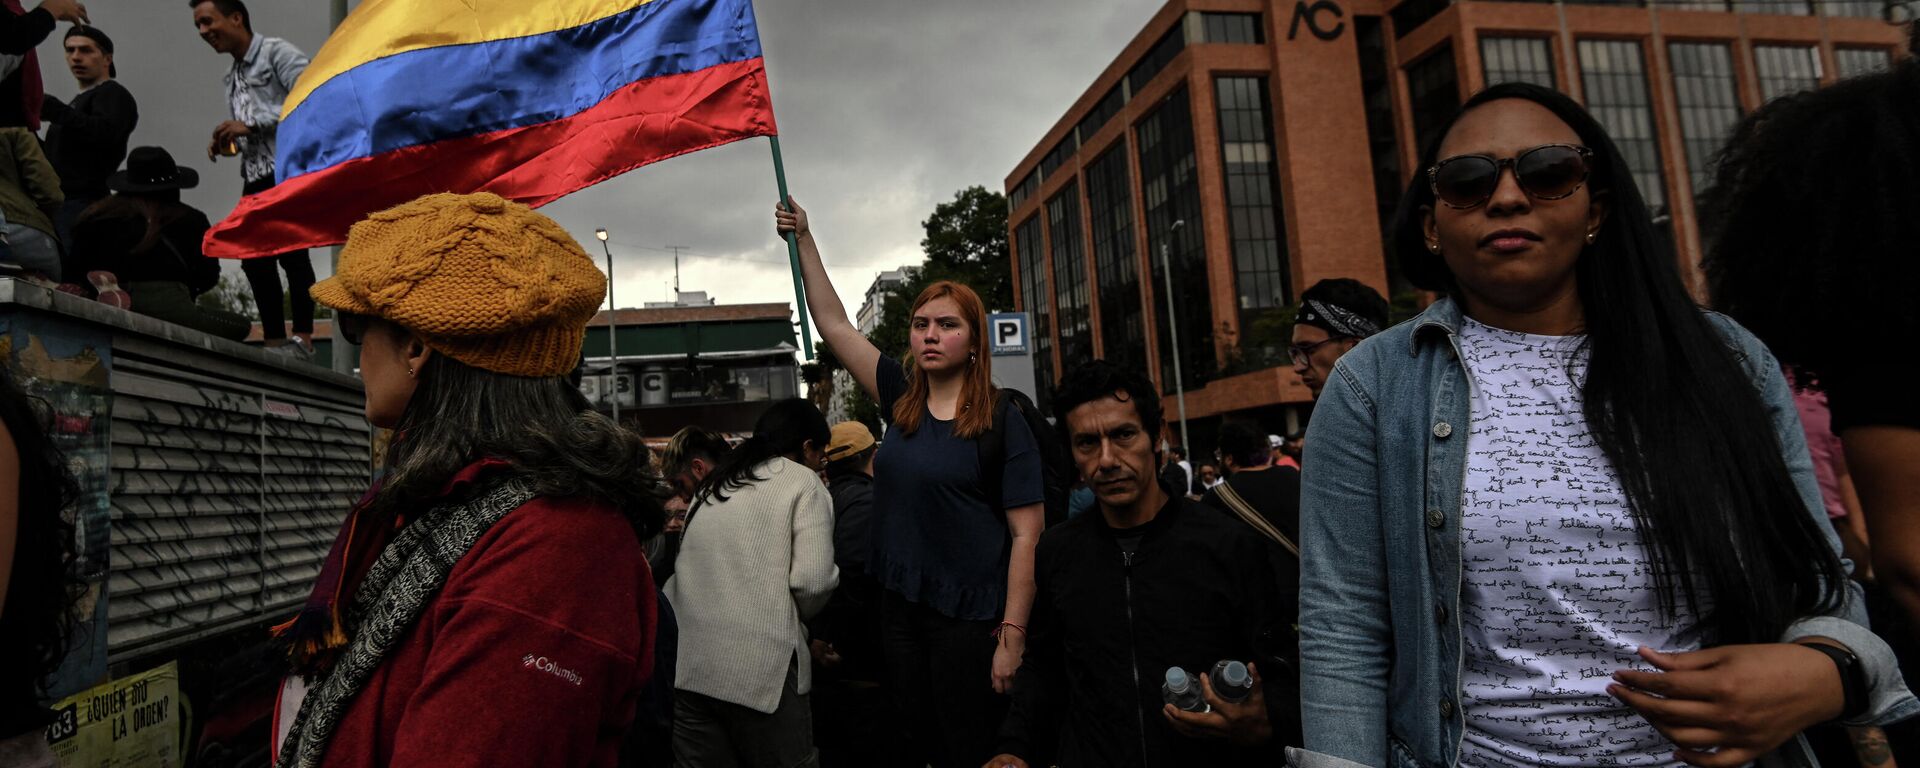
(395, 590)
(314, 636)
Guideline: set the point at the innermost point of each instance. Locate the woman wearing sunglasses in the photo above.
(1564, 516)
(487, 603)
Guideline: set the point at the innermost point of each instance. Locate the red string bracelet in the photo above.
(1003, 626)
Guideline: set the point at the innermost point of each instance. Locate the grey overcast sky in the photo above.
(886, 108)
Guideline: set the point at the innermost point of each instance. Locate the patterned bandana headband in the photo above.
(1335, 319)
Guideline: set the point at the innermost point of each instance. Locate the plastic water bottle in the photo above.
(1231, 681)
(1183, 691)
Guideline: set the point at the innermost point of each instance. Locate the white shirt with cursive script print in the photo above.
(1556, 591)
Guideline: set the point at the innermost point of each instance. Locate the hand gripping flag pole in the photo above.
(793, 253)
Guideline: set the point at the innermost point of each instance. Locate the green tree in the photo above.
(231, 294)
(966, 242)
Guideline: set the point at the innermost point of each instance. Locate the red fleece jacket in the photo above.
(532, 655)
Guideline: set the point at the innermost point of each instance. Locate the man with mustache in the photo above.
(1152, 581)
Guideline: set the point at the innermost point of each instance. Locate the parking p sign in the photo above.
(1009, 331)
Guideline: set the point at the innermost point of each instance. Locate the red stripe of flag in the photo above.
(648, 121)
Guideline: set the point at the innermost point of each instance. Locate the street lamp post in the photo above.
(613, 328)
(1173, 332)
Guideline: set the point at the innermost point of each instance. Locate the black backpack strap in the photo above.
(991, 448)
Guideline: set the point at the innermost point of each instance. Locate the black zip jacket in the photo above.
(1201, 587)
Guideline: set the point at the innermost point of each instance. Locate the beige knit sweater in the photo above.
(750, 569)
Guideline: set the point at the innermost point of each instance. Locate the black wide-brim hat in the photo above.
(151, 169)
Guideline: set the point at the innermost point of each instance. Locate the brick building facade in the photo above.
(1260, 145)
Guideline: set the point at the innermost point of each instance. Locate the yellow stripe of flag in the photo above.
(381, 28)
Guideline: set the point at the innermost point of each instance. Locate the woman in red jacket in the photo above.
(487, 603)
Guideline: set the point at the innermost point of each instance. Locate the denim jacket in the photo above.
(257, 88)
(1380, 581)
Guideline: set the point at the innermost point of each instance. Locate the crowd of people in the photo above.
(1564, 516)
(86, 214)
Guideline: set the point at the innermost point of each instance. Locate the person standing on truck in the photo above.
(36, 555)
(488, 603)
(263, 72)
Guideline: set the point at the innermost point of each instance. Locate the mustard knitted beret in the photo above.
(480, 279)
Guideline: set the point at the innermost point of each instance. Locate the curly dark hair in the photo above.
(37, 623)
(1814, 212)
(1101, 379)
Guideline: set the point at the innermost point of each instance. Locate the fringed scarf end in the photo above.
(310, 636)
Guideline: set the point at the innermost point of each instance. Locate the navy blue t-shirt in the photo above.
(936, 538)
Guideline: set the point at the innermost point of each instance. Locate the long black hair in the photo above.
(37, 622)
(544, 427)
(1814, 212)
(783, 430)
(1672, 408)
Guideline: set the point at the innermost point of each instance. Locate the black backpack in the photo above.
(1056, 464)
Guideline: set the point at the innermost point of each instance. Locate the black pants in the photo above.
(263, 274)
(942, 676)
(710, 733)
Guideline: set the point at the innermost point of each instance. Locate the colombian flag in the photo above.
(528, 99)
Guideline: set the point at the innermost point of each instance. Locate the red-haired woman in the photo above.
(957, 566)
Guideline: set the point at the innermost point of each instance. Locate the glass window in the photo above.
(1409, 15)
(708, 383)
(1170, 189)
(1058, 156)
(1103, 111)
(1069, 272)
(1786, 69)
(1433, 88)
(1025, 190)
(1158, 57)
(1232, 27)
(1383, 136)
(754, 383)
(1614, 74)
(783, 382)
(1854, 62)
(1778, 7)
(1116, 262)
(1035, 298)
(1253, 218)
(1518, 60)
(1860, 9)
(1709, 99)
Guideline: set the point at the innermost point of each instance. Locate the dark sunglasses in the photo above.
(1549, 172)
(1302, 351)
(350, 326)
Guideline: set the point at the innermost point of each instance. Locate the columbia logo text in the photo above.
(546, 665)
